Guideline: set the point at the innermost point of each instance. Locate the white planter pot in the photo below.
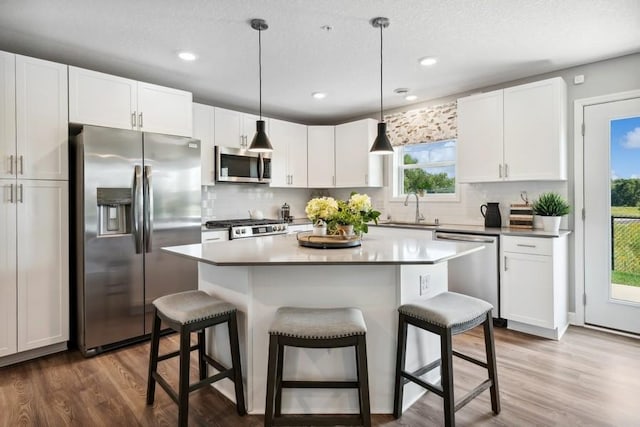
(551, 223)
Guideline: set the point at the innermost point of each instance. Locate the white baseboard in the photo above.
(573, 320)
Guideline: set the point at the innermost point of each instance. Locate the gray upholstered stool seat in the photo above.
(446, 314)
(191, 306)
(318, 323)
(188, 312)
(316, 328)
(449, 310)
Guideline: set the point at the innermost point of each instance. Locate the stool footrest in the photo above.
(318, 420)
(212, 379)
(427, 368)
(165, 385)
(319, 384)
(174, 354)
(433, 388)
(213, 362)
(473, 393)
(470, 359)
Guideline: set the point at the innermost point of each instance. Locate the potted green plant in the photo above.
(551, 207)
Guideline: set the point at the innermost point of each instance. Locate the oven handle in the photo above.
(465, 238)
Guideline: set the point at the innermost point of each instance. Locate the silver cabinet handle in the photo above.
(140, 120)
(506, 170)
(505, 263)
(10, 193)
(133, 119)
(522, 245)
(21, 165)
(11, 165)
(500, 171)
(212, 239)
(21, 199)
(333, 180)
(366, 179)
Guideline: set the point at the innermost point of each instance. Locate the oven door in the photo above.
(236, 165)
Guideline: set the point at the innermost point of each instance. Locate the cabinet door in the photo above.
(43, 264)
(355, 166)
(297, 158)
(7, 114)
(320, 152)
(480, 138)
(227, 128)
(280, 138)
(164, 110)
(41, 119)
(535, 146)
(102, 99)
(203, 130)
(527, 289)
(248, 127)
(8, 257)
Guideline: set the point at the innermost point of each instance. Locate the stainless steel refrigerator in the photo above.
(135, 192)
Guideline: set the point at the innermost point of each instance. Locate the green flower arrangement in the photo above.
(551, 204)
(356, 211)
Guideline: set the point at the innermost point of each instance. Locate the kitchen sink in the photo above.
(407, 224)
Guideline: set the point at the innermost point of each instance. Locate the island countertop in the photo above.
(379, 246)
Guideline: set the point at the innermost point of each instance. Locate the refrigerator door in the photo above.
(111, 287)
(172, 214)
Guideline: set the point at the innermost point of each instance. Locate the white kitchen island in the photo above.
(259, 275)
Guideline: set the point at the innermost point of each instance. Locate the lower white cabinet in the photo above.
(34, 265)
(214, 236)
(534, 284)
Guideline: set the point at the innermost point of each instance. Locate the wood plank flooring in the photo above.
(589, 378)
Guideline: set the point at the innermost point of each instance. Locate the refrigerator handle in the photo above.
(148, 209)
(137, 208)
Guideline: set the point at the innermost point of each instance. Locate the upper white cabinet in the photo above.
(354, 165)
(289, 157)
(320, 151)
(33, 118)
(514, 134)
(234, 129)
(203, 129)
(105, 100)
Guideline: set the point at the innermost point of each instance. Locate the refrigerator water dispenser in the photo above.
(114, 211)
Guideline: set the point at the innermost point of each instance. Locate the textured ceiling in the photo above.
(478, 43)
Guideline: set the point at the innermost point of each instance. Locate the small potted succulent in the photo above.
(551, 207)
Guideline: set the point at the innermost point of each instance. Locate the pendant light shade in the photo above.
(260, 141)
(381, 145)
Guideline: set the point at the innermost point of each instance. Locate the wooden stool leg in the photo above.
(235, 361)
(278, 384)
(489, 345)
(363, 380)
(202, 364)
(153, 358)
(400, 366)
(271, 380)
(183, 380)
(446, 355)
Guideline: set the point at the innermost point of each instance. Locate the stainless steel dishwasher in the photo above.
(477, 274)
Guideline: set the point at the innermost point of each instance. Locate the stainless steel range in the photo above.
(244, 228)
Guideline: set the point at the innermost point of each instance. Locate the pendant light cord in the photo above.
(381, 109)
(260, 67)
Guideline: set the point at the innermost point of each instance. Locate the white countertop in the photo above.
(476, 229)
(381, 245)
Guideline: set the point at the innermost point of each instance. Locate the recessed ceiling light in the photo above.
(187, 56)
(411, 97)
(428, 61)
(319, 95)
(326, 28)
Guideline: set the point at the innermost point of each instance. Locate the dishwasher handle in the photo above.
(464, 238)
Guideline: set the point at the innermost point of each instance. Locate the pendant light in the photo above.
(381, 144)
(260, 141)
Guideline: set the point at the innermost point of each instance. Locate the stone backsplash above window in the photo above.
(436, 123)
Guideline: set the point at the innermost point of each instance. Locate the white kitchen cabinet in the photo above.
(235, 129)
(33, 118)
(203, 129)
(34, 265)
(321, 155)
(514, 134)
(105, 100)
(289, 156)
(354, 165)
(534, 284)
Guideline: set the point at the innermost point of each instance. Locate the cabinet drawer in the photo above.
(215, 236)
(527, 245)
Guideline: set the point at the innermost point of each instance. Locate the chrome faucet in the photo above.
(419, 216)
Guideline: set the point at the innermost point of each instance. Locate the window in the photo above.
(429, 167)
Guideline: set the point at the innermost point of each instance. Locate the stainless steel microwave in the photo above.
(238, 165)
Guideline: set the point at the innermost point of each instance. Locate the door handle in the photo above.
(500, 171)
(136, 203)
(505, 263)
(506, 170)
(148, 209)
(133, 120)
(21, 199)
(140, 120)
(11, 165)
(10, 193)
(21, 165)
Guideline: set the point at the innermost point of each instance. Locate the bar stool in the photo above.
(316, 328)
(446, 314)
(187, 312)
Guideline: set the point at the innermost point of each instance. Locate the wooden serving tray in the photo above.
(310, 240)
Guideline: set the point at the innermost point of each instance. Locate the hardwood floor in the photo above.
(589, 378)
